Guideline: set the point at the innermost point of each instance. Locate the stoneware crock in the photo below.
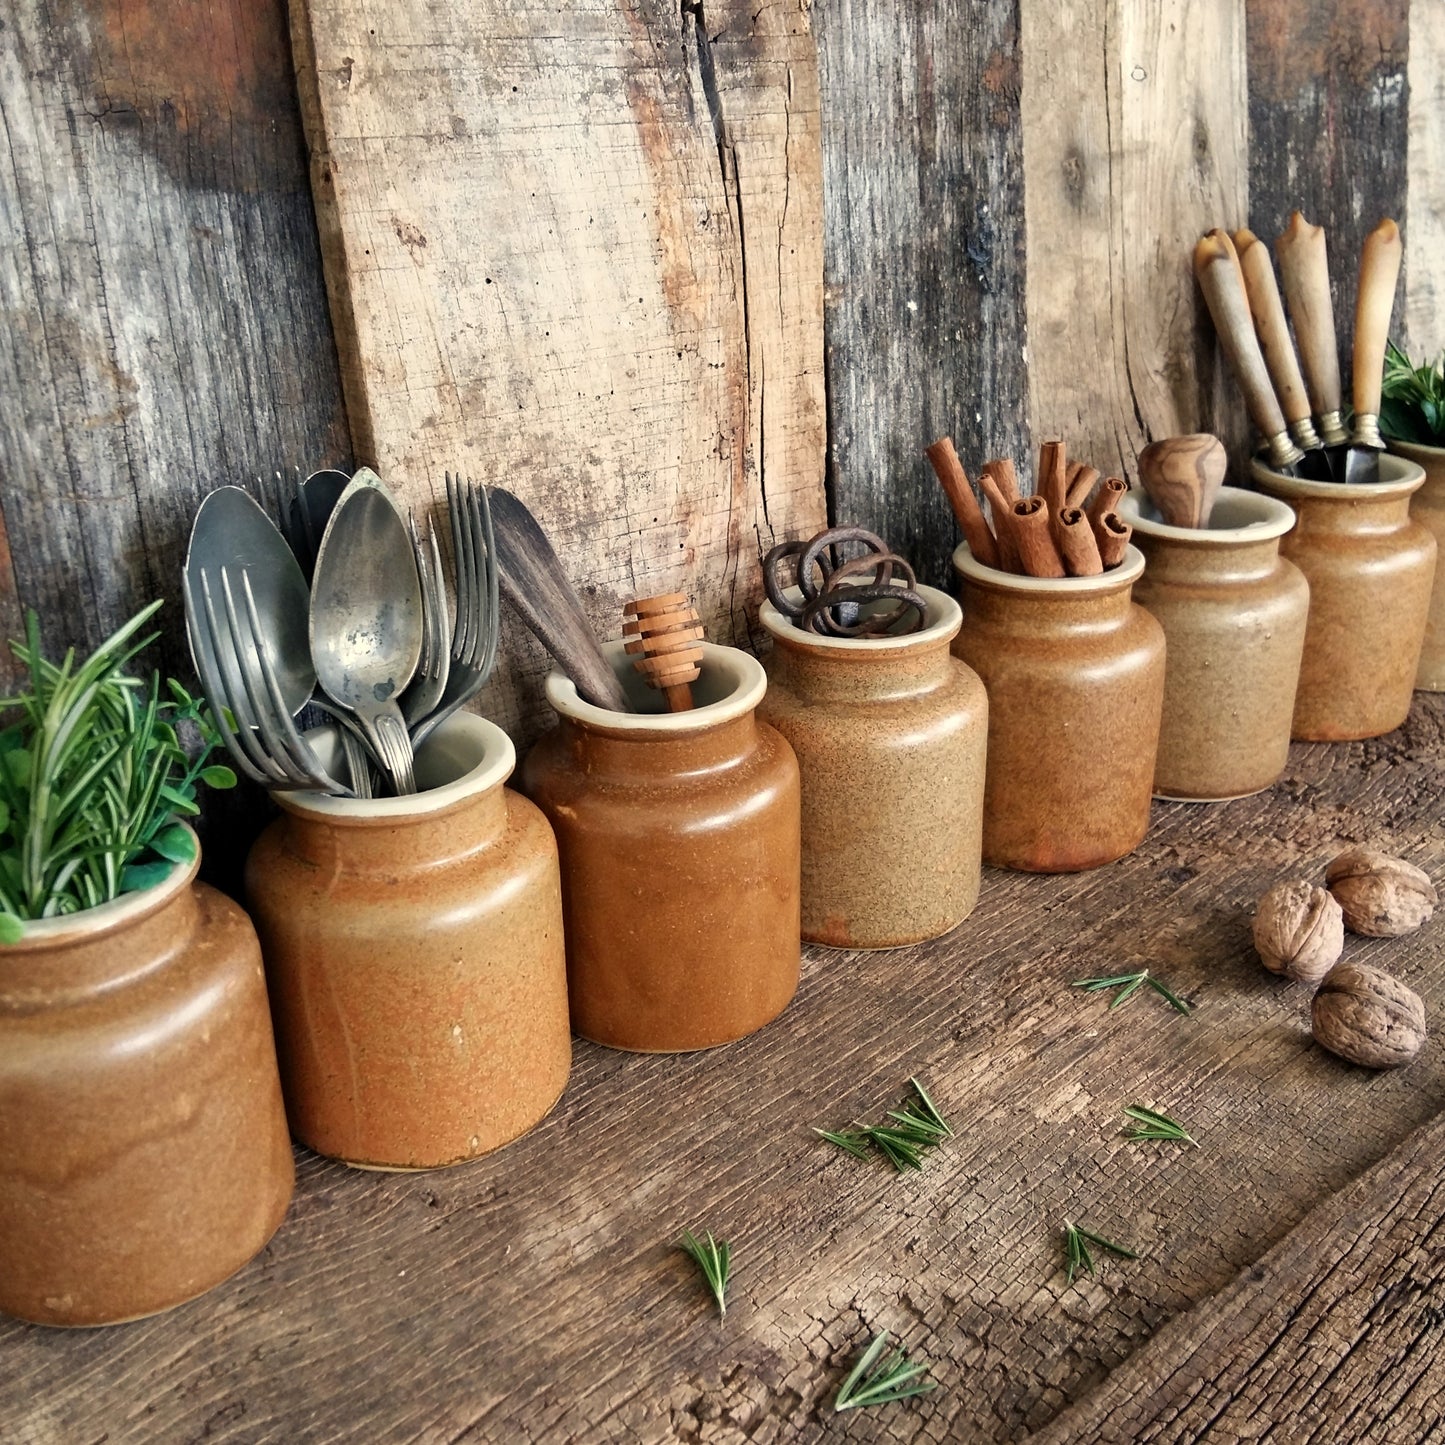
(679, 835)
(1074, 671)
(1370, 569)
(143, 1147)
(414, 949)
(1233, 612)
(890, 735)
(1427, 507)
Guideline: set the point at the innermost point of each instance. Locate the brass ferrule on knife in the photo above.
(1332, 428)
(1367, 431)
(1304, 434)
(1282, 451)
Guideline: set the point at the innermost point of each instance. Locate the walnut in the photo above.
(1299, 931)
(1381, 896)
(1367, 1017)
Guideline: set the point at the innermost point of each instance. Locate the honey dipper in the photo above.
(663, 636)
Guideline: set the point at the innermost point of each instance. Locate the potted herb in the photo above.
(143, 1147)
(1412, 421)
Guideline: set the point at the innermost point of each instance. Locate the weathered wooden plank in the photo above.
(535, 1295)
(1424, 316)
(924, 261)
(1328, 118)
(576, 251)
(1133, 145)
(166, 325)
(1333, 1335)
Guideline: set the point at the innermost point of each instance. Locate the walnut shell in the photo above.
(1367, 1017)
(1381, 896)
(1299, 931)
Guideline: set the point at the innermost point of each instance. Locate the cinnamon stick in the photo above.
(1001, 469)
(1034, 535)
(1111, 534)
(1075, 540)
(1080, 483)
(1106, 499)
(1052, 483)
(1001, 505)
(954, 481)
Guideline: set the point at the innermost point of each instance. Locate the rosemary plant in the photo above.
(1412, 399)
(1150, 1124)
(917, 1126)
(1128, 985)
(1076, 1249)
(879, 1380)
(94, 779)
(714, 1258)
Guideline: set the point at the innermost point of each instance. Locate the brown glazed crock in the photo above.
(414, 949)
(1233, 612)
(680, 857)
(1370, 569)
(144, 1156)
(1075, 677)
(1427, 507)
(889, 734)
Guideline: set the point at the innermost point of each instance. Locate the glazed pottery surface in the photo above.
(1370, 569)
(889, 734)
(143, 1147)
(1075, 676)
(1233, 612)
(414, 948)
(1427, 507)
(679, 835)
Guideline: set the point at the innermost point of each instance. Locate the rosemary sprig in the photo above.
(917, 1125)
(1129, 984)
(1153, 1125)
(714, 1258)
(1076, 1249)
(880, 1381)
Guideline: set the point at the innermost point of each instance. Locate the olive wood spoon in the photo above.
(1183, 476)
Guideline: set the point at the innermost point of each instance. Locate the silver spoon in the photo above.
(366, 618)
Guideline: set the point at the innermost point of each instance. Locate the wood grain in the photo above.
(1424, 314)
(1328, 119)
(577, 252)
(166, 323)
(923, 200)
(536, 1295)
(1333, 1335)
(1133, 146)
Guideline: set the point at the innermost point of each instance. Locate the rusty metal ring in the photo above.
(840, 618)
(878, 623)
(775, 587)
(812, 553)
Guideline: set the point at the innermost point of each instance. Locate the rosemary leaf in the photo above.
(875, 1380)
(901, 1151)
(1076, 1252)
(1153, 1125)
(1129, 984)
(929, 1109)
(915, 1126)
(714, 1258)
(849, 1140)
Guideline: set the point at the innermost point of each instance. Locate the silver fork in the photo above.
(429, 681)
(478, 619)
(265, 741)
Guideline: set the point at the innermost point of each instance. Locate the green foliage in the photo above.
(714, 1257)
(94, 778)
(880, 1378)
(1412, 405)
(917, 1126)
(1076, 1249)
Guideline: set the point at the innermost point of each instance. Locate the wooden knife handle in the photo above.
(1379, 271)
(1271, 327)
(1305, 269)
(1214, 266)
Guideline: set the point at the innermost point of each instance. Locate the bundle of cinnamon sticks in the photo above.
(1057, 532)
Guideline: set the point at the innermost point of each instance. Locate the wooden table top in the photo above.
(1292, 1279)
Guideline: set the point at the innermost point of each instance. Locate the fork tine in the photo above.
(211, 685)
(491, 624)
(229, 664)
(247, 652)
(466, 568)
(282, 736)
(428, 632)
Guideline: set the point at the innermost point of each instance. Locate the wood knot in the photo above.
(664, 637)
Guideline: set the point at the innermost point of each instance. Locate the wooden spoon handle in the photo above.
(1305, 269)
(1271, 327)
(1379, 271)
(1214, 265)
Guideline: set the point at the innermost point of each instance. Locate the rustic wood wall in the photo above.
(849, 232)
